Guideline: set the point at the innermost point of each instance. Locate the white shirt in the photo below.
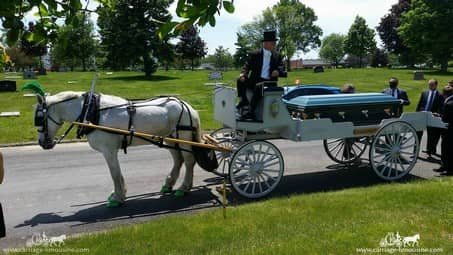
(266, 64)
(428, 103)
(395, 93)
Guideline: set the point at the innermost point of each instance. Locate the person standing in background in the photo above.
(397, 93)
(431, 101)
(447, 135)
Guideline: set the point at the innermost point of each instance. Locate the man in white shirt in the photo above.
(262, 65)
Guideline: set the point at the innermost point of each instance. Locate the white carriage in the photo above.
(255, 166)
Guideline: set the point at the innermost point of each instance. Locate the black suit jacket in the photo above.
(401, 94)
(436, 105)
(254, 64)
(447, 113)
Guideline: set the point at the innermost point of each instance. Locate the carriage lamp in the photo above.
(365, 112)
(317, 115)
(342, 114)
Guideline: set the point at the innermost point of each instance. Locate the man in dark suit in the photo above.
(447, 135)
(262, 65)
(397, 93)
(431, 101)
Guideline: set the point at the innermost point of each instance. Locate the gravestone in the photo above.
(7, 85)
(419, 75)
(318, 69)
(29, 75)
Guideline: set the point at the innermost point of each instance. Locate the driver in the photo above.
(262, 65)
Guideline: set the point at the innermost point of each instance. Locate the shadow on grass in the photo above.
(142, 78)
(338, 177)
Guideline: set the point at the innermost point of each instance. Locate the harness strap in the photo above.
(131, 110)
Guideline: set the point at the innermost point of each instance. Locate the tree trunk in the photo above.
(192, 63)
(146, 65)
(84, 65)
(288, 65)
(444, 65)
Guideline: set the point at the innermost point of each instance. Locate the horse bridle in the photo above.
(41, 120)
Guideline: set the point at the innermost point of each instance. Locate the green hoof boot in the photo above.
(112, 203)
(166, 189)
(179, 193)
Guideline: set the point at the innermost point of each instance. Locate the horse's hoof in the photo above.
(179, 193)
(166, 189)
(114, 204)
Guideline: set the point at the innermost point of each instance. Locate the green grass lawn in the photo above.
(319, 223)
(190, 86)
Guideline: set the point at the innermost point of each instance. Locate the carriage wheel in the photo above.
(256, 169)
(345, 150)
(223, 133)
(394, 150)
(226, 138)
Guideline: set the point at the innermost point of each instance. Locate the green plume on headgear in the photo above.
(35, 87)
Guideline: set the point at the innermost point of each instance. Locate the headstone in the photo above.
(419, 75)
(318, 69)
(215, 76)
(42, 71)
(29, 75)
(7, 85)
(9, 114)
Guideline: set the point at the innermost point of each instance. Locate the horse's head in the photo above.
(47, 122)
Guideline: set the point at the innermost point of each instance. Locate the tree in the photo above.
(19, 58)
(332, 48)
(165, 53)
(222, 58)
(12, 12)
(128, 32)
(360, 39)
(33, 46)
(242, 49)
(191, 46)
(379, 58)
(294, 23)
(427, 28)
(75, 43)
(388, 32)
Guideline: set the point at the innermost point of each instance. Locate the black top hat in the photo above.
(269, 36)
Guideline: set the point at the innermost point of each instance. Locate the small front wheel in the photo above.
(256, 169)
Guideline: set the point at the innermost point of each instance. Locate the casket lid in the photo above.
(343, 99)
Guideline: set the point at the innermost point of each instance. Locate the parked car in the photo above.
(291, 92)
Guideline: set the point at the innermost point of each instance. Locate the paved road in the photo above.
(63, 191)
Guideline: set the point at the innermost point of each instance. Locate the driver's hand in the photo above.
(274, 73)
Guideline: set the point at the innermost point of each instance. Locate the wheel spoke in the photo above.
(265, 181)
(270, 177)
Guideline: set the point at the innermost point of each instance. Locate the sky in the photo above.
(334, 16)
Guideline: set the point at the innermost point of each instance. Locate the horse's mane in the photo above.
(66, 95)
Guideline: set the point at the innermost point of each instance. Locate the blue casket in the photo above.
(361, 108)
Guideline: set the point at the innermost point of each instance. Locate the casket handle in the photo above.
(365, 112)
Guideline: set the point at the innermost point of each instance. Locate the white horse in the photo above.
(411, 240)
(158, 117)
